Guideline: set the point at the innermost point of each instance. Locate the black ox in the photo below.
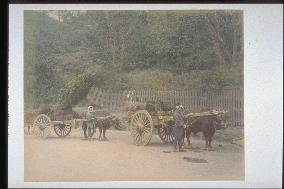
(103, 124)
(206, 124)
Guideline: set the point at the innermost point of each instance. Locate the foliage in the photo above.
(153, 106)
(75, 90)
(130, 49)
(120, 82)
(44, 40)
(221, 78)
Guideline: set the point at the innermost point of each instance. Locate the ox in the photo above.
(206, 124)
(105, 123)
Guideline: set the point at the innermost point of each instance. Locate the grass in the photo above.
(229, 134)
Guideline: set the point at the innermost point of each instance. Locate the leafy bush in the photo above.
(75, 90)
(222, 78)
(118, 81)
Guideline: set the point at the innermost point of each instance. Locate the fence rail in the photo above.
(230, 100)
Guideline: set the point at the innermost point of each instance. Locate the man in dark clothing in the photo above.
(178, 128)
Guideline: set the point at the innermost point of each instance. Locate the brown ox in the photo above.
(205, 124)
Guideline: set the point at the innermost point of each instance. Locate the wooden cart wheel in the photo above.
(42, 126)
(62, 130)
(141, 127)
(166, 133)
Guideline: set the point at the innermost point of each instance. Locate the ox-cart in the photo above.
(43, 126)
(143, 122)
(62, 120)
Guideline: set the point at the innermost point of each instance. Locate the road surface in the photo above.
(118, 159)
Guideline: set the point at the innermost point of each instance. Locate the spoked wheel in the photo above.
(42, 126)
(62, 130)
(141, 127)
(166, 134)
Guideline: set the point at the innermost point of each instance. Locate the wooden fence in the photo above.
(194, 101)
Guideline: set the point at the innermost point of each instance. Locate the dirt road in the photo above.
(75, 159)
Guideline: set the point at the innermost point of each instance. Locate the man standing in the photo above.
(90, 123)
(178, 128)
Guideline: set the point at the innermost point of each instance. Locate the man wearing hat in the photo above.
(178, 128)
(90, 116)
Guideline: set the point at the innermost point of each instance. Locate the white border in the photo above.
(263, 97)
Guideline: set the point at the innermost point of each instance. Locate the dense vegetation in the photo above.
(75, 90)
(162, 50)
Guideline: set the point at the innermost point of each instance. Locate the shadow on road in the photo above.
(195, 160)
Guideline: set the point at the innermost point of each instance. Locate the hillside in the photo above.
(161, 50)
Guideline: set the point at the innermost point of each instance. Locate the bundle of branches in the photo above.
(155, 106)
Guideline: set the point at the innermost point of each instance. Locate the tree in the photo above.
(161, 50)
(75, 90)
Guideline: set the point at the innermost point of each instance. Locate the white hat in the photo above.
(89, 108)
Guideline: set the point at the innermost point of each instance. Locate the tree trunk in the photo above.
(235, 53)
(111, 39)
(235, 45)
(219, 48)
